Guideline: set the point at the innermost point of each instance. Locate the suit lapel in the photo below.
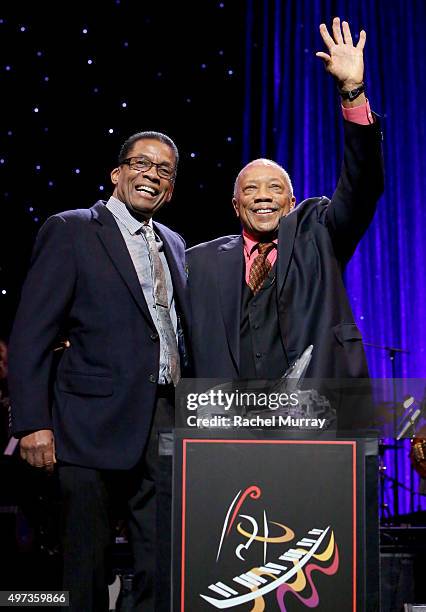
(230, 276)
(286, 235)
(114, 244)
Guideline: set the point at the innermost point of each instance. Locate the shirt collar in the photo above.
(121, 212)
(250, 243)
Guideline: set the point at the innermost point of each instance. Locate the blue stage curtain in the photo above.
(291, 114)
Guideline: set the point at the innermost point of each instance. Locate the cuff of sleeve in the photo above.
(359, 114)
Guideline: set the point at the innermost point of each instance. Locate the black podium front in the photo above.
(273, 521)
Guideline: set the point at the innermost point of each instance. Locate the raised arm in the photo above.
(360, 184)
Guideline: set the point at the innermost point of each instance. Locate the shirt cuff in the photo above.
(359, 114)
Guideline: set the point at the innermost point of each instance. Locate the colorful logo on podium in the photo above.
(287, 564)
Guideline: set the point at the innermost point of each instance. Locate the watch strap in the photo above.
(353, 93)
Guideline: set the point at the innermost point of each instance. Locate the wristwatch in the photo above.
(353, 93)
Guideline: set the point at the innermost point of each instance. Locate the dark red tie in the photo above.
(260, 267)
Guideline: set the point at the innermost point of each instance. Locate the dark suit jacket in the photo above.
(315, 241)
(82, 285)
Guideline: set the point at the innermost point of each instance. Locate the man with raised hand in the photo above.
(259, 299)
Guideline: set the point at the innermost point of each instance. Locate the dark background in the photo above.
(178, 68)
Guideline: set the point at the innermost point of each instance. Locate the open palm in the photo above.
(344, 60)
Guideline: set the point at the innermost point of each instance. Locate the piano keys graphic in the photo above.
(230, 597)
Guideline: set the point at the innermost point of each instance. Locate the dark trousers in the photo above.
(89, 497)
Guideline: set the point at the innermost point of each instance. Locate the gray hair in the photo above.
(265, 161)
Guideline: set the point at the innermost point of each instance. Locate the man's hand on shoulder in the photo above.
(344, 60)
(38, 449)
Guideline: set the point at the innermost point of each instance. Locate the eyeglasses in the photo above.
(143, 164)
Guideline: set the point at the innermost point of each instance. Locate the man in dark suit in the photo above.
(111, 285)
(261, 298)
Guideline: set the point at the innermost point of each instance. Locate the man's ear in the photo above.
(236, 207)
(114, 175)
(170, 192)
(292, 202)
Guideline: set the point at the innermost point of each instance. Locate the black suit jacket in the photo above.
(315, 241)
(82, 286)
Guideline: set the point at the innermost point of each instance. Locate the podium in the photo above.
(274, 520)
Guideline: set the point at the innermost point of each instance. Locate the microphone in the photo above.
(412, 418)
